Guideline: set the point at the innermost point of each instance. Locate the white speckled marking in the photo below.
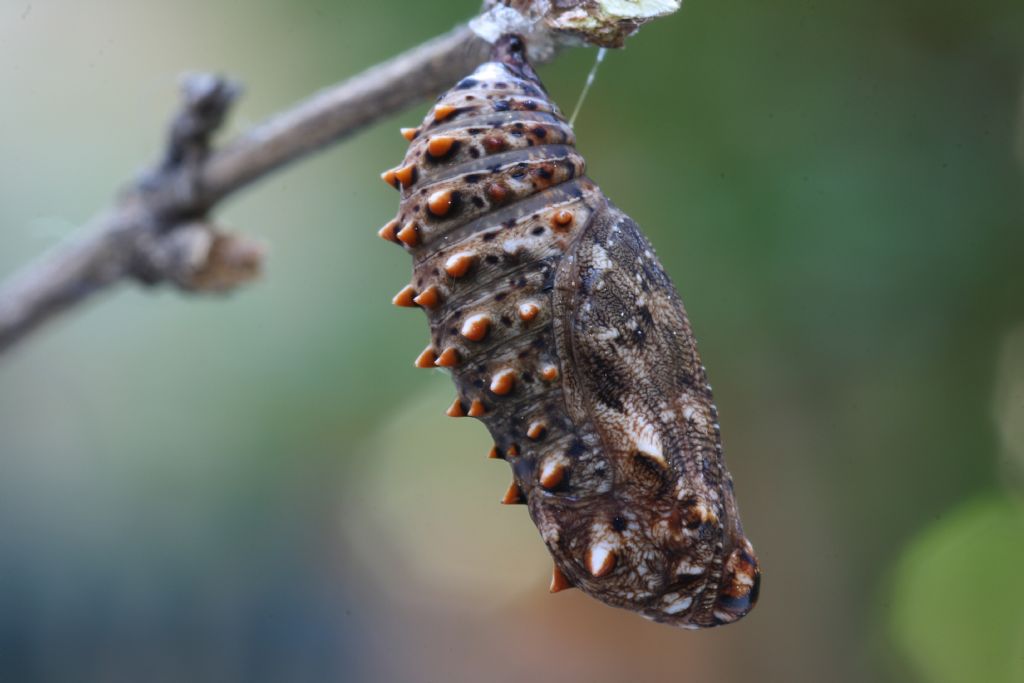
(679, 605)
(649, 444)
(688, 569)
(601, 260)
(599, 554)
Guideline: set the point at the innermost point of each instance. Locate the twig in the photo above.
(157, 231)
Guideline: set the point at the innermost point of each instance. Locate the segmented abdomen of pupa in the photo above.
(564, 335)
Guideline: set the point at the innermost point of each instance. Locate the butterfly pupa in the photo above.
(567, 339)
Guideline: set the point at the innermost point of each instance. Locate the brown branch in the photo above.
(157, 230)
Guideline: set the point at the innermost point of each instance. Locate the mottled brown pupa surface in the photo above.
(567, 339)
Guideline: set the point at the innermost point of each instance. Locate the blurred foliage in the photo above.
(957, 596)
(250, 488)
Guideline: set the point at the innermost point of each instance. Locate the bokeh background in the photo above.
(262, 488)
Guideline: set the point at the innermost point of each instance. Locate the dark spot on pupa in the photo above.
(502, 105)
(501, 85)
(472, 178)
(453, 331)
(506, 320)
(544, 172)
(474, 152)
(576, 449)
(530, 104)
(510, 223)
(501, 296)
(488, 236)
(646, 316)
(494, 169)
(466, 84)
(475, 131)
(540, 132)
(491, 258)
(527, 377)
(478, 202)
(619, 523)
(539, 230)
(684, 581)
(456, 204)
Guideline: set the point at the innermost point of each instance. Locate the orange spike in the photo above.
(449, 358)
(512, 451)
(456, 409)
(405, 297)
(409, 236)
(476, 409)
(388, 231)
(494, 143)
(497, 192)
(428, 298)
(513, 496)
(443, 111)
(476, 326)
(536, 430)
(561, 219)
(528, 311)
(440, 145)
(503, 382)
(558, 581)
(459, 264)
(494, 454)
(409, 133)
(549, 373)
(440, 203)
(389, 178)
(552, 474)
(426, 359)
(406, 175)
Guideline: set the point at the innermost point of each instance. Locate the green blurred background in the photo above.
(262, 488)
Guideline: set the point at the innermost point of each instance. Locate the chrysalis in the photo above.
(567, 339)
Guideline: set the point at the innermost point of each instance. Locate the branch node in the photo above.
(198, 257)
(206, 100)
(548, 25)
